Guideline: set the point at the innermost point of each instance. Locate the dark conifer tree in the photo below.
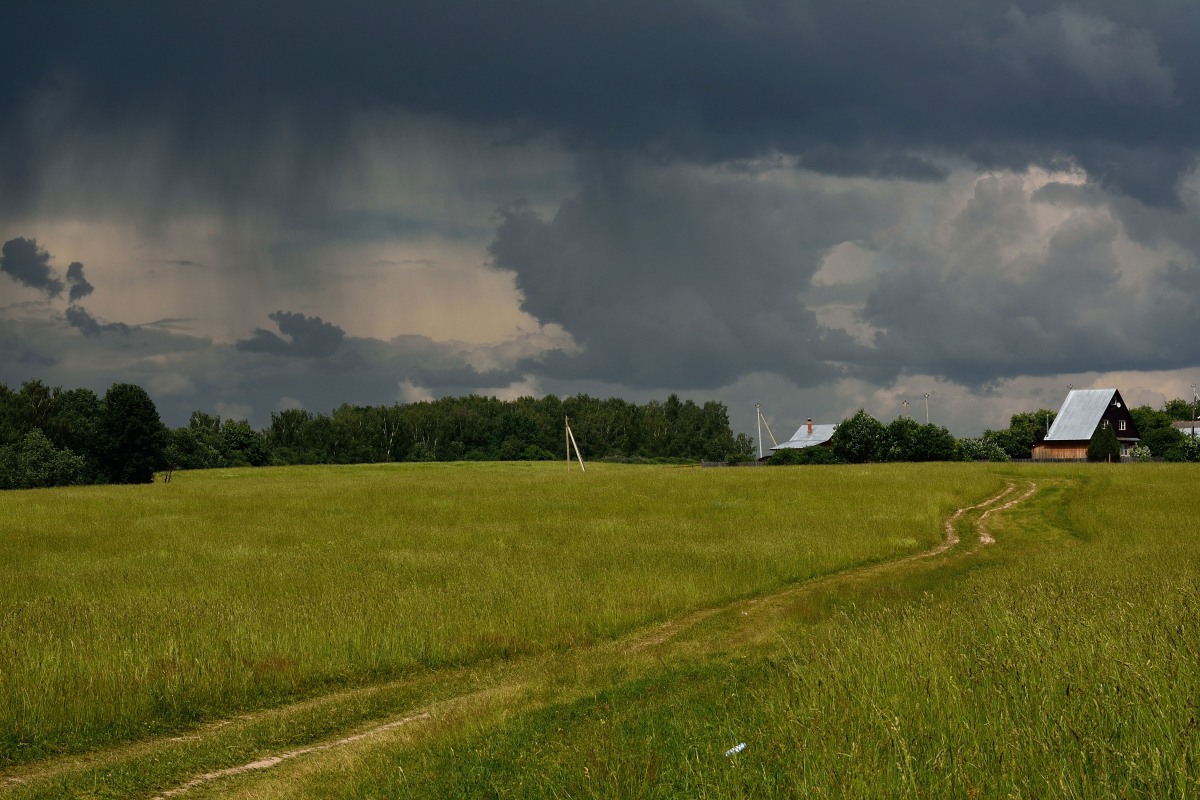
(1104, 445)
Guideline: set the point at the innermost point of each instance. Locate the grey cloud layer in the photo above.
(685, 277)
(868, 84)
(727, 149)
(693, 278)
(969, 305)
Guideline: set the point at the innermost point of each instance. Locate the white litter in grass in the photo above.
(737, 748)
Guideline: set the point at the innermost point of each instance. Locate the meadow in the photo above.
(613, 634)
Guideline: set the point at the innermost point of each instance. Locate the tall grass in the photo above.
(130, 611)
(1066, 665)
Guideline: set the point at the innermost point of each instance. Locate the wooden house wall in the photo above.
(1117, 414)
(1049, 450)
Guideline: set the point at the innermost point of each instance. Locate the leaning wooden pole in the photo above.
(571, 441)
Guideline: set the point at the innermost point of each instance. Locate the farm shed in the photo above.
(809, 435)
(1083, 413)
(1187, 427)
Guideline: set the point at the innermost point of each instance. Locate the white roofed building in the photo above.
(1083, 413)
(1187, 427)
(809, 435)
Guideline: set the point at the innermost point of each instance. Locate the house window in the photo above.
(1121, 425)
(1103, 423)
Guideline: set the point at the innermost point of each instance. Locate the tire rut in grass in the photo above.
(671, 629)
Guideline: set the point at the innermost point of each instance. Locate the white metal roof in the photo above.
(1080, 414)
(1187, 427)
(802, 438)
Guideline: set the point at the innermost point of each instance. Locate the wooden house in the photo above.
(1083, 413)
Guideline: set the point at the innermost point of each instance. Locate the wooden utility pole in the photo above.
(570, 442)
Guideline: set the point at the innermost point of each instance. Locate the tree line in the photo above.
(54, 437)
(862, 439)
(51, 437)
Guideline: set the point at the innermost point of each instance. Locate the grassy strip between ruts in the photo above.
(135, 612)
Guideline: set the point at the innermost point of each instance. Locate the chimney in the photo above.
(810, 426)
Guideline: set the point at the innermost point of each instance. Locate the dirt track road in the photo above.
(655, 642)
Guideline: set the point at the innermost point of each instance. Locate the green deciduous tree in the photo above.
(1180, 408)
(1186, 450)
(192, 448)
(241, 445)
(132, 436)
(908, 440)
(1161, 440)
(979, 449)
(35, 463)
(79, 412)
(1025, 429)
(1155, 429)
(860, 439)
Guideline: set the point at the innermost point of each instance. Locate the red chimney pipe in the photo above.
(810, 426)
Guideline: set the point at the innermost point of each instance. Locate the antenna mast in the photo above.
(762, 423)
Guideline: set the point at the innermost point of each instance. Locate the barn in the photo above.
(1083, 413)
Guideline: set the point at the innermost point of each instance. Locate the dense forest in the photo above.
(55, 437)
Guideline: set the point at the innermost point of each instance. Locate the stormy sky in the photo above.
(817, 206)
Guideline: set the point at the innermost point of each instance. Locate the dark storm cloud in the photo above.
(1183, 278)
(80, 287)
(694, 277)
(307, 337)
(863, 88)
(1086, 54)
(27, 263)
(970, 308)
(78, 317)
(834, 160)
(32, 359)
(670, 276)
(688, 273)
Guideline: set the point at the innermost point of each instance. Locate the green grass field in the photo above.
(610, 634)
